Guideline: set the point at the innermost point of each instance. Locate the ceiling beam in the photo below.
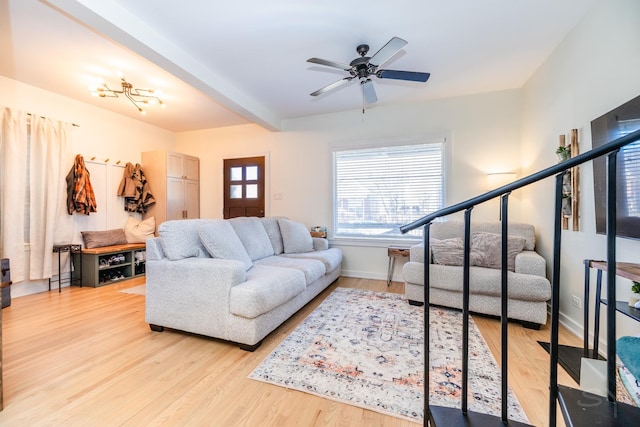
(119, 25)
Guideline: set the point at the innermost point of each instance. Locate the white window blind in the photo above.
(378, 189)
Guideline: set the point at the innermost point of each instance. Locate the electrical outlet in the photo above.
(576, 301)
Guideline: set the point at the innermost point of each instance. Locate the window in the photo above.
(379, 188)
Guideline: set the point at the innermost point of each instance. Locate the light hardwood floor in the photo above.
(85, 357)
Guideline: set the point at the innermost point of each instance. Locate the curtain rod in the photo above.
(43, 117)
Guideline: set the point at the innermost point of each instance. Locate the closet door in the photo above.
(175, 198)
(192, 199)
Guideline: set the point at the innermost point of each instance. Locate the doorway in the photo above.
(243, 187)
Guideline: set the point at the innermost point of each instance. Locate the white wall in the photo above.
(101, 134)
(594, 70)
(485, 137)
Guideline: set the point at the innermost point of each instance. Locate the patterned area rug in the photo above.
(365, 348)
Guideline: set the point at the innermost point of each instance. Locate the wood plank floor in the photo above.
(85, 357)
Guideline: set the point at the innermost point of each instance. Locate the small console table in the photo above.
(60, 249)
(395, 252)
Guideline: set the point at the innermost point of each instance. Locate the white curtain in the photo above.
(13, 188)
(49, 222)
(33, 166)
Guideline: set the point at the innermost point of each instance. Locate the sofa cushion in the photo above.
(253, 236)
(313, 269)
(99, 239)
(483, 281)
(295, 237)
(331, 258)
(266, 288)
(273, 231)
(180, 239)
(221, 241)
(139, 231)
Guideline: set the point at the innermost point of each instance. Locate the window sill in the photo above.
(376, 243)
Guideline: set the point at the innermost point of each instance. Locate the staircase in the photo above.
(578, 408)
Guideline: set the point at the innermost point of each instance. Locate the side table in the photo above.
(395, 252)
(72, 249)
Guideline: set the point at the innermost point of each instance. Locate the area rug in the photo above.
(365, 348)
(136, 290)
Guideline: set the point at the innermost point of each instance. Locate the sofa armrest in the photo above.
(320, 243)
(192, 294)
(416, 253)
(530, 262)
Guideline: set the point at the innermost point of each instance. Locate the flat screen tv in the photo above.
(612, 125)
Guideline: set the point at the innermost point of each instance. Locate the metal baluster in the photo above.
(555, 302)
(504, 204)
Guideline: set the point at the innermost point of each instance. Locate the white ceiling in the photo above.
(236, 62)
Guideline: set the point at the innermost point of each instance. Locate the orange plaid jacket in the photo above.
(80, 195)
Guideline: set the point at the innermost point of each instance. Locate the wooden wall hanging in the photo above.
(570, 183)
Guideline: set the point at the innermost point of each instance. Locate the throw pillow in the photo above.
(221, 241)
(139, 231)
(451, 252)
(295, 237)
(447, 252)
(273, 231)
(488, 247)
(99, 239)
(253, 236)
(179, 239)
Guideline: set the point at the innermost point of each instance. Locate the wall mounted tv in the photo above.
(612, 125)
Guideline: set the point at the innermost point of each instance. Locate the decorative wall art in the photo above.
(570, 182)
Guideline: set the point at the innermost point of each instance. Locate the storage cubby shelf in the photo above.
(99, 268)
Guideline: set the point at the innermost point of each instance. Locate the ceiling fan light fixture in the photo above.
(363, 67)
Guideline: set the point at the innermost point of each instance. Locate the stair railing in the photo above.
(440, 416)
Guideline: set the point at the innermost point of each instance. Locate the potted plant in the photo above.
(635, 296)
(563, 153)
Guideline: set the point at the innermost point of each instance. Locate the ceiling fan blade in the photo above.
(368, 91)
(387, 51)
(403, 75)
(344, 67)
(333, 85)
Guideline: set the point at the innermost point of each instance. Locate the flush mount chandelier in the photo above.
(137, 97)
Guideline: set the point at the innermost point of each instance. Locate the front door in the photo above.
(243, 187)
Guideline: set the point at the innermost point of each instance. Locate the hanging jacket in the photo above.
(142, 200)
(127, 187)
(80, 195)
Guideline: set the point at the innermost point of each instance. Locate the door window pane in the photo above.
(236, 192)
(252, 191)
(252, 173)
(236, 174)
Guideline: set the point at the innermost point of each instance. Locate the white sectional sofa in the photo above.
(529, 289)
(237, 279)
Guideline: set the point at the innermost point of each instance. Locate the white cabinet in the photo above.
(174, 179)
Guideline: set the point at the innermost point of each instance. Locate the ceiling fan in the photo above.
(365, 67)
